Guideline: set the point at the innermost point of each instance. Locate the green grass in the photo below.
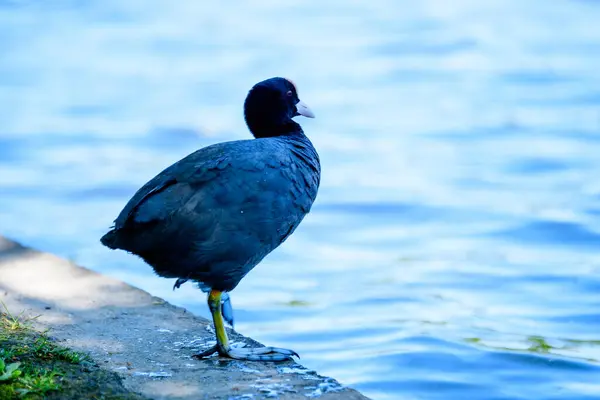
(47, 350)
(22, 350)
(32, 366)
(13, 323)
(9, 372)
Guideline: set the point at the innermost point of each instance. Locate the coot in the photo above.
(214, 215)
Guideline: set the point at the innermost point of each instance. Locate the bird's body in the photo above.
(214, 215)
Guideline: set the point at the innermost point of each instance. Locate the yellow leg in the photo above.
(214, 302)
(223, 348)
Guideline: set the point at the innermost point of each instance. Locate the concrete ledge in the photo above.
(145, 339)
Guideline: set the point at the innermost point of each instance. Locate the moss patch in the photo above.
(32, 366)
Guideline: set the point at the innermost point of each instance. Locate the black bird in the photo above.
(214, 215)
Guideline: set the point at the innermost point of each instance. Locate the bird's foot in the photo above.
(206, 353)
(250, 354)
(179, 282)
(220, 308)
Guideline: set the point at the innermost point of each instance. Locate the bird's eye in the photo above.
(289, 93)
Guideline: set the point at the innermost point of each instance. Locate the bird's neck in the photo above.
(262, 129)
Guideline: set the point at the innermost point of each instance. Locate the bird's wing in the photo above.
(174, 187)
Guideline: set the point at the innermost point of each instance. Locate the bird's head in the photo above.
(270, 107)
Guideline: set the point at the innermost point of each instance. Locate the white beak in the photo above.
(303, 110)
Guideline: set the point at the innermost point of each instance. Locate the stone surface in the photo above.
(145, 339)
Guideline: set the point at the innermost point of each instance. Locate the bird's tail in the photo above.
(110, 239)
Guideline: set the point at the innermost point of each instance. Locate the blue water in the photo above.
(453, 250)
